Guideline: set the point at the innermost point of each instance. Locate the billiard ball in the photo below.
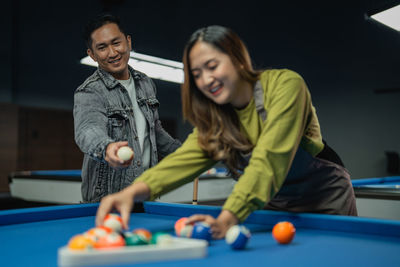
(179, 224)
(283, 232)
(237, 236)
(97, 232)
(161, 239)
(113, 221)
(201, 230)
(211, 171)
(143, 234)
(112, 240)
(182, 229)
(125, 153)
(81, 242)
(186, 231)
(132, 239)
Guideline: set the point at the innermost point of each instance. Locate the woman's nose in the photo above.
(207, 79)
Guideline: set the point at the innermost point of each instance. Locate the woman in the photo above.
(261, 124)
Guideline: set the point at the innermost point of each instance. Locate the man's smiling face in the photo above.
(111, 50)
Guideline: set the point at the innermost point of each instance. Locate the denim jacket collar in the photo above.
(110, 82)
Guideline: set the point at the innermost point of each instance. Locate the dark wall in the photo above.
(6, 54)
(343, 56)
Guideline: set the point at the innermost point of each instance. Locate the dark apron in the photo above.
(313, 184)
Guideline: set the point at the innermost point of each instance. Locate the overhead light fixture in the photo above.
(154, 67)
(389, 17)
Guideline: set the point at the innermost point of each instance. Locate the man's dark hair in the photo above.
(97, 22)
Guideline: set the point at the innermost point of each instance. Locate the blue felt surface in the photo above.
(391, 180)
(76, 173)
(305, 220)
(36, 243)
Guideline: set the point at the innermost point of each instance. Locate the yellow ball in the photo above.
(80, 242)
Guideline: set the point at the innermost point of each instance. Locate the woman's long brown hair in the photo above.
(218, 125)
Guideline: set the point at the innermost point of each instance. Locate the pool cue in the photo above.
(195, 190)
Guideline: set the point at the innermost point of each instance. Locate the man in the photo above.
(115, 107)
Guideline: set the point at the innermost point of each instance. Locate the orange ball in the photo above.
(113, 221)
(179, 225)
(97, 232)
(109, 241)
(144, 234)
(80, 242)
(283, 232)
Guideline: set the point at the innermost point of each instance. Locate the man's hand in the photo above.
(112, 157)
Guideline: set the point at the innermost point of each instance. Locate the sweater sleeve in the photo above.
(177, 169)
(288, 104)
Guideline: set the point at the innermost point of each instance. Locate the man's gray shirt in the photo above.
(103, 114)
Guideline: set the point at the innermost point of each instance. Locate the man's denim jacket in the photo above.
(103, 114)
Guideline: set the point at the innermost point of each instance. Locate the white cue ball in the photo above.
(125, 153)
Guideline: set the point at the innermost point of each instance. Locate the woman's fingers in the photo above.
(217, 229)
(195, 218)
(105, 207)
(120, 202)
(201, 218)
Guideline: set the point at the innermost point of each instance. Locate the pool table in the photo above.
(378, 197)
(31, 237)
(47, 186)
(64, 187)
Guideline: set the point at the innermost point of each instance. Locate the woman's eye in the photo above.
(212, 67)
(196, 75)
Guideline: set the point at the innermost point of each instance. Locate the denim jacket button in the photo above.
(139, 163)
(136, 138)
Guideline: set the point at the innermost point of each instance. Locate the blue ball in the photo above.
(237, 236)
(201, 230)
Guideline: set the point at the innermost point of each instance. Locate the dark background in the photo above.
(350, 63)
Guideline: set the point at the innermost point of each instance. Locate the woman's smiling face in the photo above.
(215, 75)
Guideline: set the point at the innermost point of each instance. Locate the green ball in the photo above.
(132, 239)
(161, 238)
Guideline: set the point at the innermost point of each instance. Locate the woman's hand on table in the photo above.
(219, 226)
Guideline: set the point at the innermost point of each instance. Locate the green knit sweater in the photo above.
(291, 121)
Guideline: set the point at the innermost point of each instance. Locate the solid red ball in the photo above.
(284, 232)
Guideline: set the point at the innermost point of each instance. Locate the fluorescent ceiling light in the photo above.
(389, 17)
(154, 67)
